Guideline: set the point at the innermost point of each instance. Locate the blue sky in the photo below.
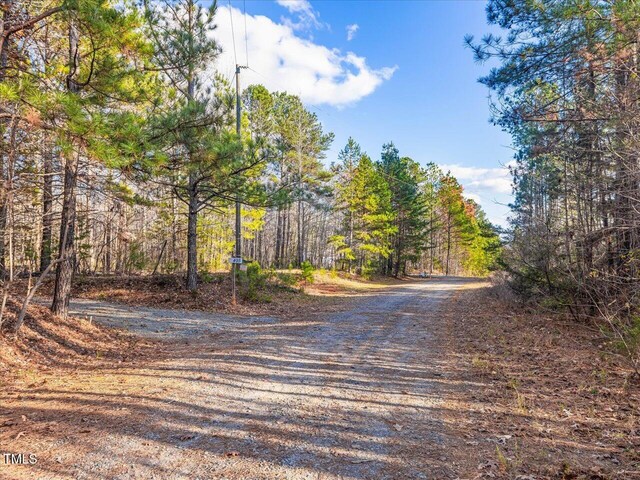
(402, 75)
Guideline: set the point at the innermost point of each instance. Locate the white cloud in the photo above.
(498, 184)
(351, 31)
(493, 180)
(472, 196)
(307, 17)
(286, 62)
(489, 187)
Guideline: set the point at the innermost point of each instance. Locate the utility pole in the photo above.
(238, 249)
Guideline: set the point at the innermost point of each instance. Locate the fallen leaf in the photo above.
(490, 464)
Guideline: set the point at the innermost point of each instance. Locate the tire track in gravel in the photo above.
(375, 378)
(348, 395)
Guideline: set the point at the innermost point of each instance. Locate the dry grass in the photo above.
(537, 397)
(327, 283)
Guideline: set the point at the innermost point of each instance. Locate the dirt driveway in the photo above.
(348, 395)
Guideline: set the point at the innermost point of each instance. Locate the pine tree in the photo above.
(204, 163)
(403, 176)
(101, 75)
(368, 224)
(349, 157)
(302, 144)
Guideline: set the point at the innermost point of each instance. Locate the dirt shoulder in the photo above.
(46, 343)
(531, 397)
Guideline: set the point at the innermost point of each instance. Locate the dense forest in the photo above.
(566, 88)
(120, 156)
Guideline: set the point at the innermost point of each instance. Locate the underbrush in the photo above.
(258, 284)
(617, 322)
(540, 395)
(260, 291)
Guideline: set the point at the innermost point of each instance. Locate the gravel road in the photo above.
(161, 323)
(347, 395)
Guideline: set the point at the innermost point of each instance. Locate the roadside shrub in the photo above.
(206, 277)
(256, 276)
(628, 340)
(287, 279)
(137, 260)
(255, 280)
(171, 266)
(367, 272)
(307, 272)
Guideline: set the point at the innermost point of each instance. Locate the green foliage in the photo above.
(364, 198)
(254, 280)
(628, 338)
(171, 266)
(465, 224)
(394, 213)
(287, 279)
(367, 271)
(136, 260)
(484, 246)
(207, 277)
(94, 104)
(404, 176)
(307, 272)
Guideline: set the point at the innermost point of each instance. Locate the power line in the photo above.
(233, 35)
(246, 41)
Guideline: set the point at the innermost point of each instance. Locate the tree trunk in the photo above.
(432, 246)
(279, 229)
(47, 207)
(192, 237)
(287, 237)
(446, 270)
(107, 241)
(300, 234)
(192, 222)
(4, 210)
(398, 248)
(350, 236)
(174, 235)
(66, 252)
(3, 193)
